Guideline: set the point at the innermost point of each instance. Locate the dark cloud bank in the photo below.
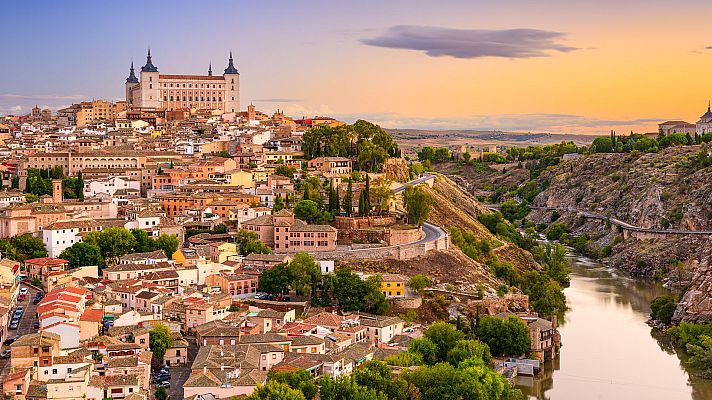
(472, 43)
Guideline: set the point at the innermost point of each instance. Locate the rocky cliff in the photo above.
(671, 189)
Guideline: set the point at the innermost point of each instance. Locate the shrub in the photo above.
(662, 308)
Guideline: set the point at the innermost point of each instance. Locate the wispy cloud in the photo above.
(277, 100)
(540, 122)
(472, 43)
(42, 96)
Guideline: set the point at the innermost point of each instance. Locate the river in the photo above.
(608, 351)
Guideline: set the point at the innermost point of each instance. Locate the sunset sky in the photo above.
(559, 66)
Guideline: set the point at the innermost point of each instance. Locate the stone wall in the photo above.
(349, 236)
(341, 222)
(401, 252)
(408, 302)
(402, 236)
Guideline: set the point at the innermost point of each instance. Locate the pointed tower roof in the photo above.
(132, 76)
(230, 66)
(210, 69)
(149, 67)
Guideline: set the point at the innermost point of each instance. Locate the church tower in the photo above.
(150, 87)
(131, 84)
(232, 89)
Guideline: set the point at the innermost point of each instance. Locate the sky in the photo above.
(561, 66)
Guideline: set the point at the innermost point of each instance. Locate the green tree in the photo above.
(375, 300)
(160, 339)
(602, 145)
(662, 308)
(445, 336)
(278, 203)
(701, 356)
(345, 388)
(285, 170)
(24, 247)
(419, 282)
(276, 280)
(80, 186)
(161, 393)
(83, 254)
(307, 210)
(553, 258)
(347, 204)
(418, 204)
(466, 349)
(113, 242)
(275, 390)
(144, 242)
(545, 294)
(349, 290)
(426, 350)
(305, 273)
(250, 242)
(377, 376)
(508, 336)
(168, 243)
(300, 380)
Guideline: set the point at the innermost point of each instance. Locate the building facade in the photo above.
(176, 92)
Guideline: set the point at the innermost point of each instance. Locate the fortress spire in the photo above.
(210, 69)
(230, 66)
(132, 76)
(149, 67)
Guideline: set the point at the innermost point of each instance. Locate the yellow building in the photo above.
(95, 111)
(238, 177)
(394, 285)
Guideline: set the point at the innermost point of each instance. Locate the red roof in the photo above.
(93, 315)
(46, 261)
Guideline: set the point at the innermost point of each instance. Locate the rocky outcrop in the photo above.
(696, 303)
(396, 169)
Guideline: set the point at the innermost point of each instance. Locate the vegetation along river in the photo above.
(608, 350)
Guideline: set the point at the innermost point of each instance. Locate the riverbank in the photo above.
(609, 351)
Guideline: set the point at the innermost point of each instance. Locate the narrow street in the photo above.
(25, 327)
(180, 374)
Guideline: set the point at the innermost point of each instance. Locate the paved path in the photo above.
(414, 182)
(25, 327)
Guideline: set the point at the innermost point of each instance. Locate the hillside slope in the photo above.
(671, 189)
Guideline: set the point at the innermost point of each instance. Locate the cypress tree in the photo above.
(367, 196)
(361, 204)
(348, 199)
(80, 186)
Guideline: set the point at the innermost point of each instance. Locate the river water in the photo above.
(608, 351)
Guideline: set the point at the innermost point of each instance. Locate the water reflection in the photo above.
(608, 351)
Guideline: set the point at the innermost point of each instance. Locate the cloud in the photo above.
(41, 97)
(277, 100)
(708, 47)
(472, 43)
(538, 122)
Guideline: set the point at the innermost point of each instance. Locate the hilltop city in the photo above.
(174, 244)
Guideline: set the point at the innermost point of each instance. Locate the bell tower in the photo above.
(57, 191)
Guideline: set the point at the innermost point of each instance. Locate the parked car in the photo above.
(23, 290)
(165, 384)
(5, 353)
(36, 324)
(21, 297)
(9, 341)
(13, 325)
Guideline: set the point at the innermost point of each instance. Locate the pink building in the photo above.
(284, 233)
